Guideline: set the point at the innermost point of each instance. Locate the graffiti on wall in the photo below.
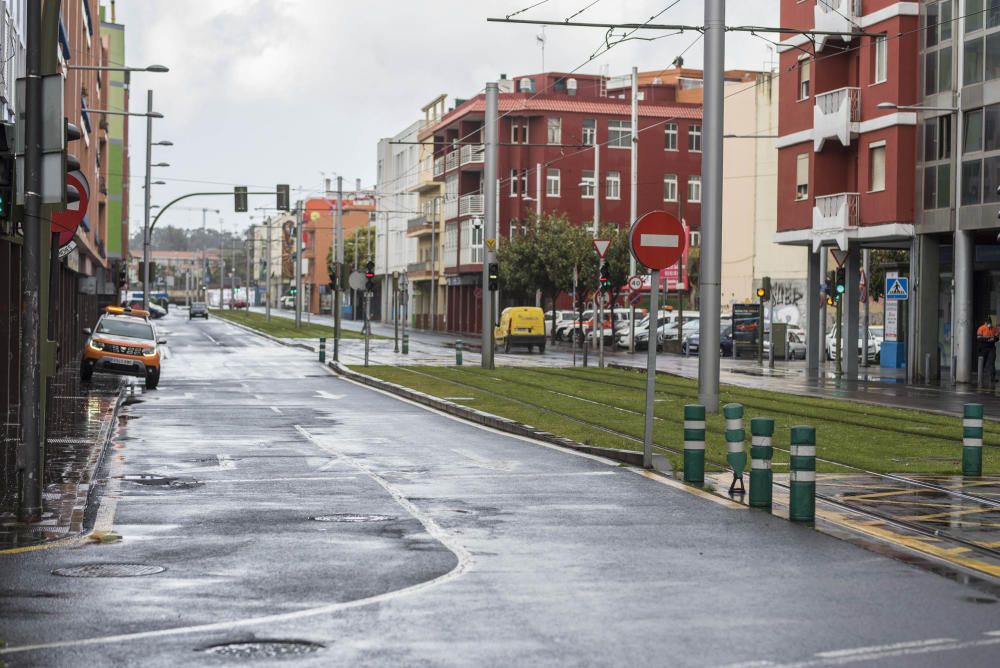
(789, 297)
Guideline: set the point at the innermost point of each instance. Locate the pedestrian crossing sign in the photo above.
(897, 288)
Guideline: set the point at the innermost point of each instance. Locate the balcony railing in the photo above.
(833, 213)
(417, 267)
(836, 16)
(418, 224)
(451, 160)
(470, 205)
(473, 153)
(439, 166)
(836, 116)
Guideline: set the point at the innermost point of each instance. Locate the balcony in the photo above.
(450, 209)
(836, 116)
(836, 16)
(474, 154)
(438, 166)
(470, 205)
(451, 160)
(833, 215)
(428, 168)
(419, 226)
(418, 268)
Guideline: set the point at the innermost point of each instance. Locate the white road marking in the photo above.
(276, 409)
(496, 465)
(837, 653)
(210, 338)
(882, 652)
(464, 559)
(226, 462)
(326, 395)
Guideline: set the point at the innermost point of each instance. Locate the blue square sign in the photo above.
(897, 288)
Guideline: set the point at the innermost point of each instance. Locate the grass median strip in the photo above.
(282, 328)
(563, 400)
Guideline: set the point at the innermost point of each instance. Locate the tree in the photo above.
(879, 261)
(356, 247)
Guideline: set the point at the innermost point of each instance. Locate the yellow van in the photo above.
(521, 326)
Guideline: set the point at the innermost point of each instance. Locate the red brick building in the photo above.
(547, 128)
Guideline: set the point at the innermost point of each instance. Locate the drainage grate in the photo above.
(353, 518)
(155, 480)
(264, 649)
(108, 571)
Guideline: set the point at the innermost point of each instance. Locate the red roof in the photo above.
(524, 102)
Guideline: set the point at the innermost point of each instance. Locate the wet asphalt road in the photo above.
(452, 545)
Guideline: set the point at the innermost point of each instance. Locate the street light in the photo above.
(164, 142)
(122, 68)
(913, 107)
(161, 164)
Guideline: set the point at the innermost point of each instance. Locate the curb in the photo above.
(628, 457)
(269, 337)
(92, 488)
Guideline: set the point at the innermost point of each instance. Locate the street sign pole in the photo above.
(490, 210)
(578, 313)
(599, 327)
(368, 302)
(654, 306)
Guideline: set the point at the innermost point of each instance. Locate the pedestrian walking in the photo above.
(986, 338)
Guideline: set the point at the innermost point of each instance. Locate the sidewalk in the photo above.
(81, 420)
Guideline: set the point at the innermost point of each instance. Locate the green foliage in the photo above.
(356, 247)
(879, 261)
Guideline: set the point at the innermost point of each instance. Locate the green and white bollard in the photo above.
(458, 352)
(406, 344)
(694, 443)
(736, 453)
(761, 452)
(972, 439)
(322, 350)
(802, 473)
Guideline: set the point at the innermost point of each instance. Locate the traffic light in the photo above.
(831, 281)
(123, 277)
(283, 199)
(72, 162)
(370, 276)
(493, 273)
(840, 282)
(293, 291)
(605, 280)
(333, 281)
(829, 300)
(764, 291)
(241, 198)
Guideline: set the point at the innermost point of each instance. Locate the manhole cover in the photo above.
(108, 571)
(264, 649)
(352, 518)
(155, 480)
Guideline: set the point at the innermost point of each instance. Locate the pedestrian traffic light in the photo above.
(283, 199)
(241, 198)
(370, 276)
(493, 274)
(841, 281)
(605, 280)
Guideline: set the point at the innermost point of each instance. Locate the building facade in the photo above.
(318, 242)
(398, 171)
(847, 140)
(116, 166)
(553, 127)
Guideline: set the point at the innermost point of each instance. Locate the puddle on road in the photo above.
(156, 480)
(264, 649)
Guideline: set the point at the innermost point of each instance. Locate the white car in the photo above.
(621, 320)
(564, 330)
(623, 336)
(874, 345)
(561, 317)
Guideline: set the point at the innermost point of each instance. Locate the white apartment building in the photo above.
(398, 169)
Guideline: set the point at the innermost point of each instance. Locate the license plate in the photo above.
(119, 362)
(522, 329)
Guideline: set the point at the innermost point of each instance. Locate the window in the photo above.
(670, 137)
(515, 132)
(670, 188)
(991, 179)
(552, 182)
(613, 185)
(554, 130)
(973, 69)
(973, 15)
(876, 167)
(804, 78)
(930, 140)
(881, 58)
(993, 14)
(524, 183)
(972, 182)
(589, 131)
(587, 184)
(450, 240)
(694, 138)
(991, 127)
(476, 241)
(973, 131)
(930, 72)
(945, 21)
(802, 176)
(695, 239)
(937, 138)
(931, 25)
(619, 134)
(937, 186)
(944, 70)
(992, 57)
(513, 183)
(694, 189)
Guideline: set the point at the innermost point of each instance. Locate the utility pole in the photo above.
(490, 193)
(267, 278)
(864, 325)
(711, 207)
(633, 196)
(146, 231)
(339, 269)
(438, 217)
(29, 455)
(298, 265)
(598, 318)
(222, 266)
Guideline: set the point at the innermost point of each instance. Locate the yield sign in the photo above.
(601, 246)
(839, 256)
(657, 240)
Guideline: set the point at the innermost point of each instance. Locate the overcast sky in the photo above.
(282, 91)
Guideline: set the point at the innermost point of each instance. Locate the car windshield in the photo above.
(198, 305)
(131, 327)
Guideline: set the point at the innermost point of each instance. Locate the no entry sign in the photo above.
(657, 240)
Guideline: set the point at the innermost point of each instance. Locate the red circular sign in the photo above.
(657, 240)
(64, 223)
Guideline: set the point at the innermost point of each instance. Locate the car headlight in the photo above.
(149, 352)
(96, 345)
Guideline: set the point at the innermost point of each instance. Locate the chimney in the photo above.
(571, 87)
(327, 190)
(357, 188)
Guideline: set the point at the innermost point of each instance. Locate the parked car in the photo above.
(623, 336)
(561, 318)
(795, 343)
(622, 318)
(874, 345)
(564, 331)
(155, 311)
(238, 303)
(520, 326)
(198, 310)
(690, 344)
(288, 302)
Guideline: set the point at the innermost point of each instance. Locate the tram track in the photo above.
(720, 467)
